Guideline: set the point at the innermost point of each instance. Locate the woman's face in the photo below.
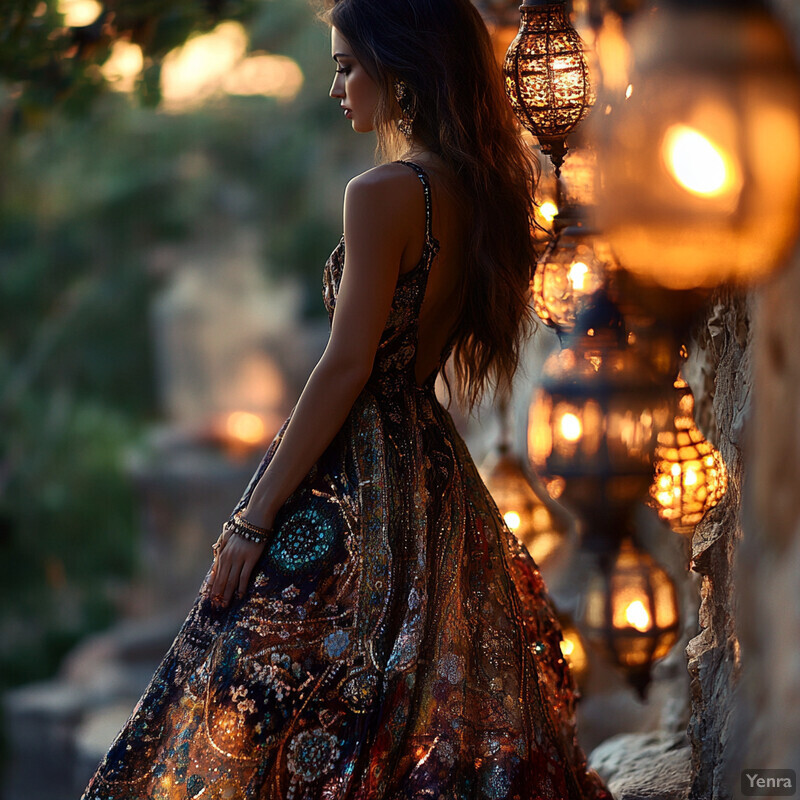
(352, 86)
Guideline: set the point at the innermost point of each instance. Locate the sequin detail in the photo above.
(312, 754)
(303, 541)
(395, 641)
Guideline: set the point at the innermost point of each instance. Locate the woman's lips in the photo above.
(348, 113)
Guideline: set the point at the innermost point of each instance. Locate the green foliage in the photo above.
(49, 66)
(97, 196)
(67, 519)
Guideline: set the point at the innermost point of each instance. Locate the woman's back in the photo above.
(440, 307)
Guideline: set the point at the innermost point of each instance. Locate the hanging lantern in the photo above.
(701, 158)
(690, 475)
(631, 614)
(575, 265)
(540, 528)
(594, 424)
(578, 173)
(547, 78)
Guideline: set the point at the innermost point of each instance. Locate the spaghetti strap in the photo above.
(430, 239)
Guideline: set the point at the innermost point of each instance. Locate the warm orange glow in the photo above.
(246, 427)
(571, 428)
(574, 652)
(613, 53)
(690, 475)
(123, 65)
(79, 13)
(195, 71)
(636, 614)
(548, 210)
(577, 275)
(265, 74)
(698, 165)
(513, 520)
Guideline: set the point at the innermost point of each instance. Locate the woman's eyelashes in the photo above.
(343, 71)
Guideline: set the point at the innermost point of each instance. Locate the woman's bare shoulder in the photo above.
(393, 182)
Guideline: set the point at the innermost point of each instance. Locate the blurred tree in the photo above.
(97, 195)
(50, 56)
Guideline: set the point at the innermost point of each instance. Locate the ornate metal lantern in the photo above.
(631, 613)
(701, 162)
(690, 475)
(547, 77)
(541, 527)
(537, 525)
(575, 265)
(594, 423)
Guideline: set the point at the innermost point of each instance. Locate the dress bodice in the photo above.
(397, 350)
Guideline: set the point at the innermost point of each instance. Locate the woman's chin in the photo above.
(360, 127)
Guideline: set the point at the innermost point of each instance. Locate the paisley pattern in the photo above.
(396, 641)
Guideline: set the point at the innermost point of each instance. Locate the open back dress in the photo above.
(396, 641)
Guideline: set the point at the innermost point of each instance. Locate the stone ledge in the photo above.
(645, 766)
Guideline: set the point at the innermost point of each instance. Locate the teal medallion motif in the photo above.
(303, 541)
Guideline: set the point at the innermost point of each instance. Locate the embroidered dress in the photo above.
(395, 641)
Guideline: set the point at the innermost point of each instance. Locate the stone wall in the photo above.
(745, 663)
(766, 726)
(719, 372)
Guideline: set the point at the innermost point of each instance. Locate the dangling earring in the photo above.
(408, 107)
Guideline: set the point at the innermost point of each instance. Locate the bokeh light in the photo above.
(123, 66)
(79, 13)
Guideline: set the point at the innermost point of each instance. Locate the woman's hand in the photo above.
(234, 559)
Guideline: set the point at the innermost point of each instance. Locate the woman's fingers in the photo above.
(221, 572)
(244, 577)
(232, 569)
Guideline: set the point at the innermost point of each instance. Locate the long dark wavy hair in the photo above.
(442, 51)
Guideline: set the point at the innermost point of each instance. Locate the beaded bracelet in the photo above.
(245, 529)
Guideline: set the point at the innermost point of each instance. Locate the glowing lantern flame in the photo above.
(636, 614)
(513, 520)
(696, 163)
(571, 428)
(577, 275)
(548, 210)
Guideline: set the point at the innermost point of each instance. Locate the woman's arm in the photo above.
(378, 207)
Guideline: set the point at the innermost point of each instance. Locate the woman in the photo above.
(370, 628)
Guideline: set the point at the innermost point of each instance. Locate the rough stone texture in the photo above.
(645, 766)
(766, 725)
(719, 372)
(745, 663)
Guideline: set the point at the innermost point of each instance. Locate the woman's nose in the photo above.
(336, 87)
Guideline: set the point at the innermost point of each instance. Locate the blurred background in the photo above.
(171, 183)
(162, 236)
